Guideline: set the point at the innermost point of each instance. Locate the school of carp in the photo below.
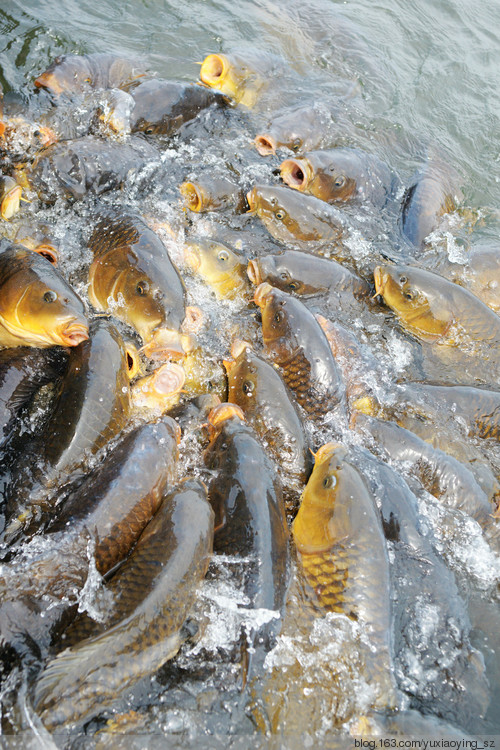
(219, 381)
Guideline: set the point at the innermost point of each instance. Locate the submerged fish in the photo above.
(70, 74)
(435, 309)
(219, 265)
(257, 388)
(133, 277)
(152, 594)
(343, 559)
(73, 168)
(290, 216)
(341, 175)
(37, 306)
(295, 342)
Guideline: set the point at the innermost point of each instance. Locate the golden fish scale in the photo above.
(297, 376)
(110, 234)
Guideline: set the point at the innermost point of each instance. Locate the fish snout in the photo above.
(213, 69)
(74, 333)
(193, 196)
(380, 278)
(253, 272)
(220, 414)
(262, 294)
(251, 197)
(296, 173)
(265, 144)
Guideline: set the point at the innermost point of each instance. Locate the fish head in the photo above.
(243, 376)
(39, 306)
(231, 76)
(279, 321)
(218, 264)
(10, 197)
(220, 416)
(415, 296)
(332, 175)
(323, 518)
(160, 390)
(285, 272)
(115, 111)
(66, 74)
(297, 173)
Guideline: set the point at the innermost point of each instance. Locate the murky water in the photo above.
(423, 77)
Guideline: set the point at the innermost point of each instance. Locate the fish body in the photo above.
(435, 309)
(341, 175)
(74, 168)
(433, 193)
(76, 74)
(37, 306)
(307, 275)
(133, 277)
(246, 496)
(342, 555)
(289, 216)
(219, 265)
(258, 389)
(92, 407)
(152, 595)
(295, 342)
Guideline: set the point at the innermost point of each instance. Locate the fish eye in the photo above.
(223, 255)
(49, 296)
(280, 214)
(403, 279)
(329, 482)
(278, 316)
(149, 130)
(142, 287)
(410, 295)
(248, 387)
(340, 181)
(293, 285)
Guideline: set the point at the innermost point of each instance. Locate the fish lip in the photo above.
(251, 197)
(192, 257)
(165, 342)
(238, 347)
(193, 196)
(74, 334)
(10, 202)
(213, 69)
(253, 272)
(220, 414)
(296, 173)
(48, 252)
(265, 144)
(380, 278)
(49, 82)
(326, 452)
(168, 379)
(262, 294)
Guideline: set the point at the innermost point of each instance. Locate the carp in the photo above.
(295, 342)
(289, 216)
(133, 277)
(222, 267)
(212, 194)
(257, 388)
(152, 593)
(341, 175)
(242, 79)
(10, 197)
(76, 74)
(37, 306)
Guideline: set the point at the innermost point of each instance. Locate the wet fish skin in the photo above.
(435, 309)
(342, 555)
(240, 77)
(307, 275)
(71, 169)
(212, 193)
(92, 407)
(246, 496)
(23, 371)
(257, 388)
(294, 341)
(341, 175)
(75, 74)
(153, 592)
(37, 306)
(132, 267)
(161, 107)
(219, 265)
(289, 216)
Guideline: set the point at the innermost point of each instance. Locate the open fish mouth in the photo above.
(213, 69)
(10, 203)
(251, 197)
(295, 173)
(253, 272)
(48, 81)
(168, 379)
(380, 278)
(265, 144)
(220, 414)
(166, 343)
(262, 293)
(74, 334)
(49, 252)
(193, 196)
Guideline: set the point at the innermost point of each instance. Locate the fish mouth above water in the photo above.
(74, 334)
(10, 203)
(265, 144)
(380, 278)
(253, 272)
(251, 197)
(296, 173)
(193, 196)
(213, 69)
(262, 293)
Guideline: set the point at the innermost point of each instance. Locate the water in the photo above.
(427, 78)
